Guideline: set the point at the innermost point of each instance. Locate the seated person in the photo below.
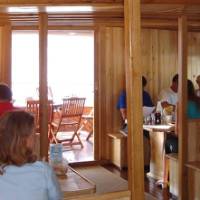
(169, 96)
(121, 105)
(5, 99)
(197, 91)
(171, 144)
(21, 175)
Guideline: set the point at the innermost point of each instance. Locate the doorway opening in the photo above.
(70, 73)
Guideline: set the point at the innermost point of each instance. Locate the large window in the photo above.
(70, 65)
(25, 65)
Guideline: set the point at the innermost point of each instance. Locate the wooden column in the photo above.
(134, 98)
(43, 113)
(182, 99)
(5, 53)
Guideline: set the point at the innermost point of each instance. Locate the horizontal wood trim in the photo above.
(170, 1)
(173, 156)
(55, 2)
(122, 195)
(194, 165)
(116, 135)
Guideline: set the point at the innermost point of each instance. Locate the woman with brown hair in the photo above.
(21, 175)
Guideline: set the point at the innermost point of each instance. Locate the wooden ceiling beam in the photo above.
(188, 2)
(54, 2)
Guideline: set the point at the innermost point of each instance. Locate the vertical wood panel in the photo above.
(110, 82)
(43, 113)
(182, 96)
(132, 33)
(5, 53)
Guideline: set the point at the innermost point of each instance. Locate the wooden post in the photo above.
(43, 113)
(5, 57)
(182, 99)
(134, 98)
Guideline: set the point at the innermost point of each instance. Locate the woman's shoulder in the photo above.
(42, 165)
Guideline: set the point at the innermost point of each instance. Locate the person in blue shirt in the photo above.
(121, 104)
(21, 175)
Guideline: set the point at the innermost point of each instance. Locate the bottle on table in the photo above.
(158, 113)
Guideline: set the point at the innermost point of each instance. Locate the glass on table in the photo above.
(148, 120)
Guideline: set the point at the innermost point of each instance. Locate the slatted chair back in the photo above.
(73, 107)
(32, 106)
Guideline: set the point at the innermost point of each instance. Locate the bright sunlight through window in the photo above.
(70, 65)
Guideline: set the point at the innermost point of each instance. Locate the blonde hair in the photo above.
(15, 128)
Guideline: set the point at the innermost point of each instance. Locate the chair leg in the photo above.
(89, 135)
(79, 139)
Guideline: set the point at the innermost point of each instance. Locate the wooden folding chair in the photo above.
(69, 121)
(32, 106)
(87, 124)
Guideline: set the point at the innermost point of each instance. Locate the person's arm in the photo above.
(123, 113)
(166, 104)
(164, 98)
(121, 105)
(54, 191)
(176, 122)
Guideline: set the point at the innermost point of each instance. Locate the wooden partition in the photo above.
(193, 159)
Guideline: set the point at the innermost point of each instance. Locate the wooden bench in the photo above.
(192, 163)
(118, 150)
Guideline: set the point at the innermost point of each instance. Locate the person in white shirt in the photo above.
(169, 96)
(21, 176)
(197, 91)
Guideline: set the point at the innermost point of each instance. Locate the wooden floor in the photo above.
(76, 154)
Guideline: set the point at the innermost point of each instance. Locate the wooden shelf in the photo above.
(194, 165)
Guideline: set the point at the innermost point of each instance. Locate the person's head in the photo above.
(190, 89)
(144, 82)
(5, 92)
(16, 138)
(198, 81)
(174, 85)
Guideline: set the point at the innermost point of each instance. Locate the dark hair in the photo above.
(5, 92)
(144, 81)
(15, 128)
(191, 94)
(175, 78)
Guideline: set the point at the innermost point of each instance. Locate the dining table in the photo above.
(157, 134)
(74, 184)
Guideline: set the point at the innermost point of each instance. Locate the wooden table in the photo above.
(157, 135)
(74, 184)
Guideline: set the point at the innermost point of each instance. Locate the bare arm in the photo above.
(166, 104)
(123, 113)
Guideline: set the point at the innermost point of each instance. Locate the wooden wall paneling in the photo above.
(109, 78)
(110, 66)
(5, 53)
(118, 74)
(43, 111)
(97, 104)
(182, 96)
(159, 59)
(168, 57)
(193, 56)
(132, 35)
(101, 93)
